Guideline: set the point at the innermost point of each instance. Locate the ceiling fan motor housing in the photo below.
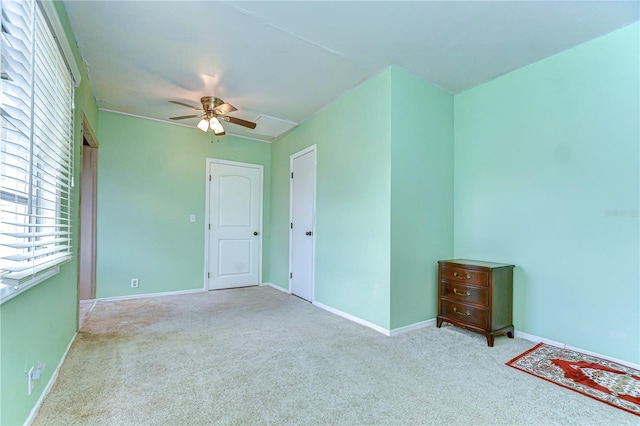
(209, 103)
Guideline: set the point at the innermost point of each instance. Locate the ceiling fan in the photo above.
(212, 111)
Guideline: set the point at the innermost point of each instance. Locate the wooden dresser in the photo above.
(477, 296)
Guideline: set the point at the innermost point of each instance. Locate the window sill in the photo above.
(9, 291)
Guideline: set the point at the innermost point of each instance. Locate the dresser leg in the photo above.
(438, 322)
(490, 338)
(510, 332)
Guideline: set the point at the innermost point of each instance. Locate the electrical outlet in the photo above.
(134, 283)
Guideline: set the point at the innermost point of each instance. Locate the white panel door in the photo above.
(303, 177)
(235, 216)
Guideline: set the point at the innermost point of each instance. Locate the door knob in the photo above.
(307, 233)
(255, 232)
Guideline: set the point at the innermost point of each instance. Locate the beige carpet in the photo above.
(259, 356)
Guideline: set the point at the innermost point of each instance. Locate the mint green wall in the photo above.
(421, 195)
(151, 177)
(352, 201)
(38, 325)
(543, 155)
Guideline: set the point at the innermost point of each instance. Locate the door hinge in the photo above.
(290, 275)
(209, 178)
(291, 175)
(291, 225)
(208, 275)
(209, 227)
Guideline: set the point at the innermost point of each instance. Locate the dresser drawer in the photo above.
(465, 313)
(465, 293)
(465, 275)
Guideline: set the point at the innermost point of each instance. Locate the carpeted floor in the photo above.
(259, 356)
(84, 309)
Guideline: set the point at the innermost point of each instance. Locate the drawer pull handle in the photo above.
(467, 277)
(468, 293)
(466, 314)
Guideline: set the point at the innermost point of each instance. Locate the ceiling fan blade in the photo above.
(224, 109)
(187, 105)
(182, 117)
(240, 122)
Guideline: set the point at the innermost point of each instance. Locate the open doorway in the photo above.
(87, 223)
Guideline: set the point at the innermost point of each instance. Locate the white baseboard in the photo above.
(93, 305)
(350, 317)
(277, 287)
(45, 391)
(538, 339)
(385, 331)
(141, 296)
(411, 327)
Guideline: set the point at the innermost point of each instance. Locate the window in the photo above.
(36, 148)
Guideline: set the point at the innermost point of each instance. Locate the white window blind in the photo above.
(36, 148)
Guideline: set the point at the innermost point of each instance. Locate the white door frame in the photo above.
(207, 234)
(313, 223)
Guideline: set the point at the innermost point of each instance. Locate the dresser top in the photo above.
(481, 263)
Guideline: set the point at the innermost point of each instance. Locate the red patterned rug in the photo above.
(606, 381)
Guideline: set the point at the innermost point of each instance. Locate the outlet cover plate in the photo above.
(30, 380)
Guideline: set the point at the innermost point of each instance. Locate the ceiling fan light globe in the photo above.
(216, 126)
(203, 125)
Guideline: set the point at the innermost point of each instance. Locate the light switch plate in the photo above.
(192, 218)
